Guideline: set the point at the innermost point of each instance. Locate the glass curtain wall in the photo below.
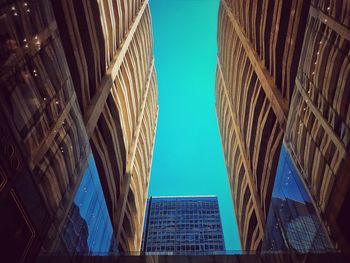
(292, 222)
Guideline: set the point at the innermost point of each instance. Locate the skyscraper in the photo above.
(257, 63)
(318, 129)
(78, 89)
(272, 56)
(111, 59)
(183, 225)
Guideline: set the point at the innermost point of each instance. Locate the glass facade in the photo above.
(88, 228)
(292, 222)
(182, 226)
(46, 164)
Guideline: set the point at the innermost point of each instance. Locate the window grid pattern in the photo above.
(183, 225)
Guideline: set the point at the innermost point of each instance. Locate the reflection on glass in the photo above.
(88, 228)
(292, 222)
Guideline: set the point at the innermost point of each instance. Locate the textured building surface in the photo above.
(109, 44)
(318, 130)
(77, 80)
(183, 225)
(45, 147)
(283, 68)
(257, 64)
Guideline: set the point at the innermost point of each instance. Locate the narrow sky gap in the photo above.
(188, 157)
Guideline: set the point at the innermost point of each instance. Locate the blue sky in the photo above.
(188, 157)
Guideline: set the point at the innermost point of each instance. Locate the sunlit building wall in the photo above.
(110, 46)
(283, 68)
(70, 80)
(258, 52)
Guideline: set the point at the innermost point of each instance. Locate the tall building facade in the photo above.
(257, 64)
(318, 128)
(79, 110)
(110, 46)
(183, 225)
(272, 55)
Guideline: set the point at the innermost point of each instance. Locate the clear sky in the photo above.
(188, 157)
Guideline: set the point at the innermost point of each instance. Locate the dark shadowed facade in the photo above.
(78, 112)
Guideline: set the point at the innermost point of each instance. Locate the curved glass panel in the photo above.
(88, 228)
(292, 222)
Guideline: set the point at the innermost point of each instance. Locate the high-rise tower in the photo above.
(318, 129)
(257, 64)
(75, 74)
(110, 49)
(282, 69)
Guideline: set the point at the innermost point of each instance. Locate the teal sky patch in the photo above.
(188, 157)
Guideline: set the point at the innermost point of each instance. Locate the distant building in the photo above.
(183, 225)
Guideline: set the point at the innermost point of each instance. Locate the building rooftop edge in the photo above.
(182, 196)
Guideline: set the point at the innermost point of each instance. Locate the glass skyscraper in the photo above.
(183, 225)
